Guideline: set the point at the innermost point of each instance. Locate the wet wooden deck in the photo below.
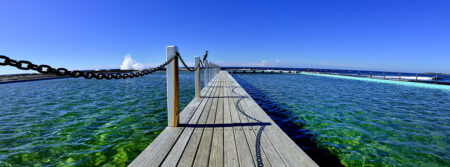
(225, 127)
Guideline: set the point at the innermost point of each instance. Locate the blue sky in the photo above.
(391, 35)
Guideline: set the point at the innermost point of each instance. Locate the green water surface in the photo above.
(79, 122)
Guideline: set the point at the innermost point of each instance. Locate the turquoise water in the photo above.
(80, 122)
(415, 84)
(362, 123)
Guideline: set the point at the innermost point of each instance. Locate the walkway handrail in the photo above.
(46, 69)
(196, 66)
(172, 72)
(173, 98)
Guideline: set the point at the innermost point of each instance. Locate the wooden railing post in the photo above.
(215, 70)
(173, 98)
(212, 71)
(206, 72)
(209, 72)
(197, 77)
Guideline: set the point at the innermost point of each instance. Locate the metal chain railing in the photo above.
(198, 66)
(186, 66)
(46, 69)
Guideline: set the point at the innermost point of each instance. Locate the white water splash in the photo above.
(130, 64)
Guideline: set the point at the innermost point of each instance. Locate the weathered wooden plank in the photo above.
(187, 158)
(189, 153)
(258, 153)
(175, 154)
(272, 154)
(216, 156)
(189, 111)
(243, 150)
(230, 153)
(204, 149)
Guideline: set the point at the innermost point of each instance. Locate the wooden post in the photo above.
(370, 74)
(416, 77)
(384, 75)
(206, 72)
(173, 98)
(399, 76)
(210, 72)
(214, 71)
(197, 77)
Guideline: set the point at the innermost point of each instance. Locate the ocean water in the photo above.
(357, 123)
(79, 122)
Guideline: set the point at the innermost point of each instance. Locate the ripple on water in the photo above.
(82, 122)
(362, 123)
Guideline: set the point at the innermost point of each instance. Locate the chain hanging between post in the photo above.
(198, 66)
(46, 69)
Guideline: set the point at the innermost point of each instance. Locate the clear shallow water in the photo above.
(362, 123)
(80, 122)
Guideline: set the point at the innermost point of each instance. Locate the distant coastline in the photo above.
(433, 73)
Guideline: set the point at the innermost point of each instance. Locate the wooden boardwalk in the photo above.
(225, 127)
